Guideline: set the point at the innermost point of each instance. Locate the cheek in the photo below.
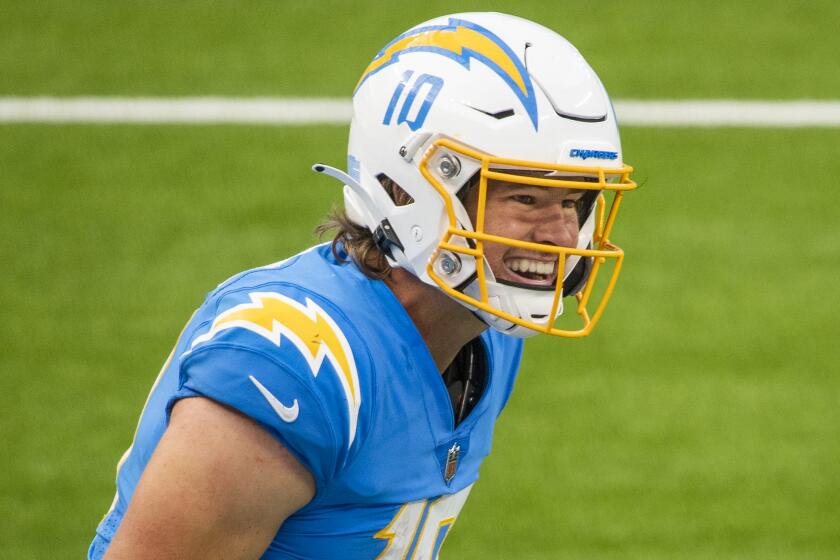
(505, 225)
(470, 206)
(494, 255)
(492, 224)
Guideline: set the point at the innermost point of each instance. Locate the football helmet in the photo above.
(453, 110)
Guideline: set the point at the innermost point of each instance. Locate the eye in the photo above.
(524, 199)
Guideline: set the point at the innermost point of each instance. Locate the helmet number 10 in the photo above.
(427, 84)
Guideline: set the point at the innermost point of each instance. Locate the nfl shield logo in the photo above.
(451, 462)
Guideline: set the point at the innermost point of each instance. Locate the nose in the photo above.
(559, 227)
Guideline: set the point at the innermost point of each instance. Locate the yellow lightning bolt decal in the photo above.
(453, 40)
(309, 328)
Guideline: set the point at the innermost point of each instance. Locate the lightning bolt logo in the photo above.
(313, 332)
(462, 41)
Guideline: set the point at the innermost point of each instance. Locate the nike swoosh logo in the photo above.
(287, 414)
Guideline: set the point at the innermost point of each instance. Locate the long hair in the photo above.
(355, 242)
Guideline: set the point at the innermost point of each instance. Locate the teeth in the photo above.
(532, 266)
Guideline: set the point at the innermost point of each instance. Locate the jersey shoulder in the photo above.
(273, 344)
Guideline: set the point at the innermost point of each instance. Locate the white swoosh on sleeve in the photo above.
(286, 413)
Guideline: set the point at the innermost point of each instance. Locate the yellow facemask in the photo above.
(613, 182)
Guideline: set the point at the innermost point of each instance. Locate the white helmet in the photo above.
(472, 99)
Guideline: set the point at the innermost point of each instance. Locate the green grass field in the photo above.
(701, 420)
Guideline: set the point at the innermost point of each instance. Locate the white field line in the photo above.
(186, 110)
(303, 111)
(729, 113)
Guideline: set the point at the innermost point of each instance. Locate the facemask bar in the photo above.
(602, 249)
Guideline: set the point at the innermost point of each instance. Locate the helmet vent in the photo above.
(498, 115)
(395, 192)
(557, 93)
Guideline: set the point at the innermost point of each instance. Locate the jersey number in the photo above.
(431, 86)
(418, 530)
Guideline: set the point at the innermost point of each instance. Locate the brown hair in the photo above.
(357, 241)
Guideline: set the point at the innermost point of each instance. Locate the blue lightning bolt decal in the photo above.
(462, 41)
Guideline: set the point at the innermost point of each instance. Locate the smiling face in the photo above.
(546, 215)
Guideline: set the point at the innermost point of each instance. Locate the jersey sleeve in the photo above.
(284, 361)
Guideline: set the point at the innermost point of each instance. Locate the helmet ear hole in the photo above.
(396, 193)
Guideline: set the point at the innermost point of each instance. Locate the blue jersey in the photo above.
(329, 362)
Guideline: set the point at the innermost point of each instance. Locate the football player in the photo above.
(339, 403)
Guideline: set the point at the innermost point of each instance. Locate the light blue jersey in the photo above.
(330, 363)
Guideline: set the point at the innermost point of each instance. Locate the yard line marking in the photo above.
(186, 110)
(728, 113)
(306, 111)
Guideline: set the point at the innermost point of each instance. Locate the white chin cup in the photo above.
(530, 305)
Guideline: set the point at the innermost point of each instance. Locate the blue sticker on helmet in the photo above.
(595, 154)
(434, 84)
(353, 167)
(462, 41)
